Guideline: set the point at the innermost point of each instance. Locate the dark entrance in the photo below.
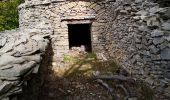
(79, 34)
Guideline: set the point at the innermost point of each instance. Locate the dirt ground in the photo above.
(74, 81)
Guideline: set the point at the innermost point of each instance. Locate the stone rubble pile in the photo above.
(20, 55)
(141, 41)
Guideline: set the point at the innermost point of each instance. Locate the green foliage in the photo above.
(69, 58)
(9, 14)
(92, 55)
(147, 92)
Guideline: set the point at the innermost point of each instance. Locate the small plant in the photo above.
(9, 14)
(114, 66)
(146, 92)
(92, 55)
(68, 58)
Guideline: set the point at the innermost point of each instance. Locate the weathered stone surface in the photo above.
(17, 70)
(166, 26)
(3, 41)
(142, 13)
(19, 56)
(5, 86)
(11, 60)
(6, 98)
(167, 74)
(158, 40)
(165, 13)
(157, 33)
(165, 54)
(154, 49)
(152, 21)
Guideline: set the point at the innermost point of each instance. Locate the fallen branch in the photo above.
(114, 77)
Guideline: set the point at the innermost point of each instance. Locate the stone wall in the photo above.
(20, 56)
(61, 13)
(140, 43)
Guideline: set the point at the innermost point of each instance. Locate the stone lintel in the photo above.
(79, 20)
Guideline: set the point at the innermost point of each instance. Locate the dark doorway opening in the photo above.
(79, 34)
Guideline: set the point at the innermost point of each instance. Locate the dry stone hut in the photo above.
(74, 23)
(136, 33)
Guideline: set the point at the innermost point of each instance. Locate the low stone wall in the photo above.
(20, 56)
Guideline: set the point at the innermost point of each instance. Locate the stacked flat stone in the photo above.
(140, 41)
(20, 56)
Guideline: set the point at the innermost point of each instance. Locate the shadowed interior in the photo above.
(79, 34)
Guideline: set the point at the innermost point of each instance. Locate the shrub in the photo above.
(9, 14)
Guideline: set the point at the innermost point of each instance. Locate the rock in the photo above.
(152, 21)
(5, 86)
(29, 49)
(36, 69)
(155, 9)
(154, 49)
(3, 41)
(36, 58)
(165, 54)
(137, 40)
(21, 40)
(123, 11)
(142, 13)
(149, 80)
(7, 59)
(143, 28)
(158, 40)
(167, 38)
(167, 74)
(9, 78)
(17, 54)
(8, 47)
(37, 38)
(165, 13)
(17, 70)
(155, 57)
(157, 33)
(162, 46)
(166, 26)
(6, 98)
(43, 45)
(101, 56)
(138, 1)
